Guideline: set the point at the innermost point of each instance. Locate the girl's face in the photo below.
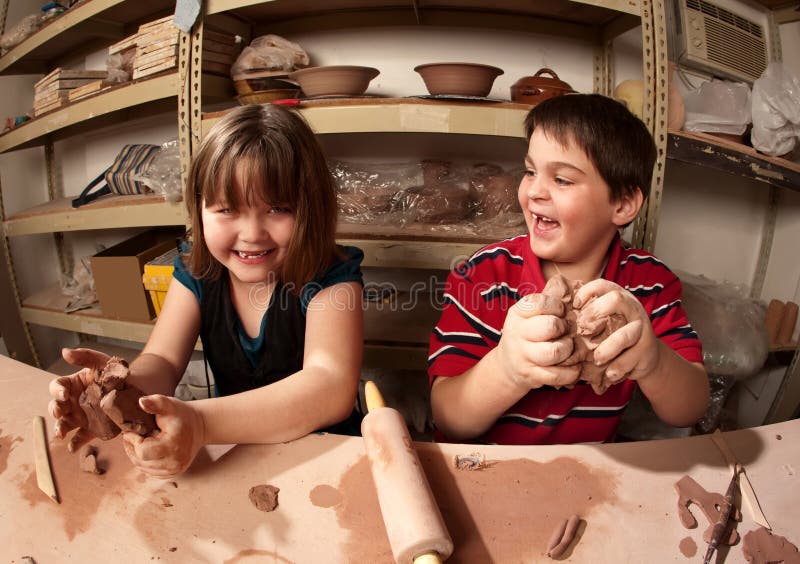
(250, 241)
(566, 203)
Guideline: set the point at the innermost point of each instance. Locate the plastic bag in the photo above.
(776, 111)
(164, 173)
(20, 32)
(718, 106)
(269, 53)
(79, 287)
(730, 326)
(120, 66)
(434, 195)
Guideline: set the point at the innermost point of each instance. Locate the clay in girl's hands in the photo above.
(111, 405)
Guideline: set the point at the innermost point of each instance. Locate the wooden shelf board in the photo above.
(117, 98)
(47, 308)
(735, 158)
(587, 12)
(63, 34)
(402, 253)
(407, 115)
(108, 212)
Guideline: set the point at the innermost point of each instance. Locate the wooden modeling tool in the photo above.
(44, 477)
(415, 527)
(748, 493)
(718, 532)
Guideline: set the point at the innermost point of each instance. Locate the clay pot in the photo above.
(537, 88)
(458, 79)
(334, 80)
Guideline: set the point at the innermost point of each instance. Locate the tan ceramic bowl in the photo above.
(458, 79)
(334, 80)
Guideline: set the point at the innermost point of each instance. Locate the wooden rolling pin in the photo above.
(415, 527)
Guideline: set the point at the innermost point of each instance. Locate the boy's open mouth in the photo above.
(543, 223)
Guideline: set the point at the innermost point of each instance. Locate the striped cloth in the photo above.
(478, 294)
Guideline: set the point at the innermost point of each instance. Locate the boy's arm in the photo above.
(677, 389)
(532, 342)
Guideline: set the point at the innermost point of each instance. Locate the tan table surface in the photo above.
(328, 510)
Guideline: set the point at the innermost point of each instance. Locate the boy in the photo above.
(495, 352)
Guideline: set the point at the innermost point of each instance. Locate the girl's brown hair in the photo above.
(280, 163)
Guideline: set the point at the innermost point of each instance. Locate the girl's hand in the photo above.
(171, 450)
(632, 350)
(66, 391)
(533, 341)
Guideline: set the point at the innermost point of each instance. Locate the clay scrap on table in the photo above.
(471, 461)
(761, 547)
(585, 341)
(562, 536)
(88, 460)
(111, 405)
(709, 503)
(264, 497)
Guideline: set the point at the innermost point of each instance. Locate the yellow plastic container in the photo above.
(157, 277)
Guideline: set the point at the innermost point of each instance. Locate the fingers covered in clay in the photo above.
(84, 400)
(170, 450)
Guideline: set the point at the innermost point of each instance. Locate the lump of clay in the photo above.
(264, 497)
(585, 341)
(89, 460)
(111, 405)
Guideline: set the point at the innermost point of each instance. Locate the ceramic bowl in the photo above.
(334, 80)
(458, 79)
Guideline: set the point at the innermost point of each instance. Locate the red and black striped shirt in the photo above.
(478, 294)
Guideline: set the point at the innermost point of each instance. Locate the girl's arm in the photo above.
(160, 366)
(321, 394)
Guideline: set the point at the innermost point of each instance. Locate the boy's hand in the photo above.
(171, 450)
(66, 391)
(632, 351)
(533, 341)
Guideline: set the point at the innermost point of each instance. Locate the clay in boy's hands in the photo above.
(585, 338)
(111, 405)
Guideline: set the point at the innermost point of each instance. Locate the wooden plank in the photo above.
(734, 158)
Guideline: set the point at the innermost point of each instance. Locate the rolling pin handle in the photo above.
(373, 397)
(428, 558)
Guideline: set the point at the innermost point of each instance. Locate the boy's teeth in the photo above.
(542, 218)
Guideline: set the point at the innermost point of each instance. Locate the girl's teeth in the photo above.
(251, 255)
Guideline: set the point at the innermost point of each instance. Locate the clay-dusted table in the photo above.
(328, 510)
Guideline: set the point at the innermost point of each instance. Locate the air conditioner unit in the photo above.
(727, 43)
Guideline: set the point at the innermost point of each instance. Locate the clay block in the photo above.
(772, 320)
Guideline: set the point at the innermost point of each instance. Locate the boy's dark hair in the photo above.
(615, 140)
(282, 164)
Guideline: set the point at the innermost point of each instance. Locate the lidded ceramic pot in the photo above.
(537, 88)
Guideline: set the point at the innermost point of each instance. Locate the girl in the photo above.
(275, 302)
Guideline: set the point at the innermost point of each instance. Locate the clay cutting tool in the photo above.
(415, 527)
(44, 477)
(748, 493)
(718, 532)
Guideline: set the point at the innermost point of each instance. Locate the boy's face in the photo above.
(566, 203)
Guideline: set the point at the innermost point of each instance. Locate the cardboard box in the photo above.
(118, 273)
(157, 277)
